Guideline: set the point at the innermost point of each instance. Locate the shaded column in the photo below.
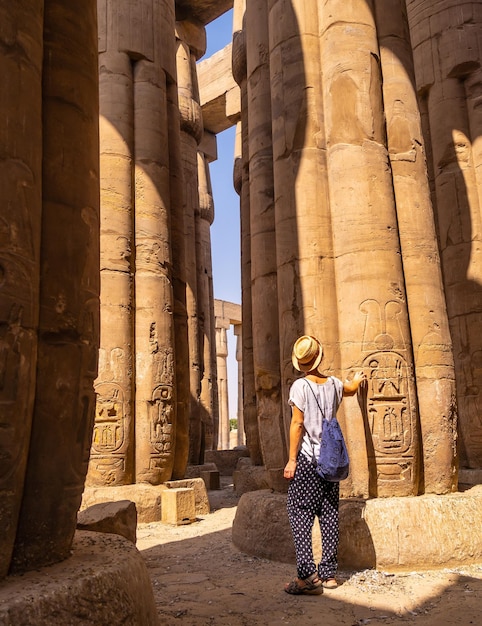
(69, 287)
(155, 374)
(241, 180)
(306, 281)
(372, 310)
(449, 34)
(191, 132)
(20, 225)
(432, 347)
(181, 341)
(239, 358)
(264, 292)
(113, 445)
(206, 301)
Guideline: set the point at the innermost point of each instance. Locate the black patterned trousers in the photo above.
(310, 496)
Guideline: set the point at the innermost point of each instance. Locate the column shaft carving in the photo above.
(181, 340)
(206, 302)
(69, 286)
(264, 292)
(155, 376)
(432, 346)
(242, 166)
(450, 34)
(306, 294)
(372, 309)
(191, 131)
(113, 445)
(20, 227)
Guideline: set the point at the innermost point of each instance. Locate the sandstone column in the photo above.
(434, 369)
(238, 333)
(113, 445)
(372, 310)
(449, 34)
(306, 281)
(241, 181)
(21, 185)
(264, 292)
(181, 341)
(155, 376)
(222, 369)
(69, 285)
(191, 132)
(206, 302)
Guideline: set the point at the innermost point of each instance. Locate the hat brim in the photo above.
(311, 365)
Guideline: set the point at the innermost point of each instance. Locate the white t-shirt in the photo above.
(302, 394)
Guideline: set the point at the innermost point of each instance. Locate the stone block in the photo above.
(178, 506)
(200, 494)
(147, 499)
(211, 479)
(118, 518)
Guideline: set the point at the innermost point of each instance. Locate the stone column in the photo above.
(69, 280)
(222, 354)
(191, 133)
(206, 301)
(21, 185)
(434, 368)
(449, 35)
(372, 309)
(306, 281)
(155, 376)
(181, 341)
(241, 178)
(264, 292)
(239, 358)
(113, 445)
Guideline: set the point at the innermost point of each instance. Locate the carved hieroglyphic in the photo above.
(391, 403)
(161, 427)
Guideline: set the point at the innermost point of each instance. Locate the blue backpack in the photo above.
(333, 463)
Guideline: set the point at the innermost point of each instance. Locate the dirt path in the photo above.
(201, 579)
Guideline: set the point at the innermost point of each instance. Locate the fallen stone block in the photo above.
(118, 518)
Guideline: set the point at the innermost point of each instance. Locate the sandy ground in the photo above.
(201, 579)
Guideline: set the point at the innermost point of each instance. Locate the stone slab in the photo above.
(119, 518)
(178, 506)
(147, 498)
(104, 582)
(389, 533)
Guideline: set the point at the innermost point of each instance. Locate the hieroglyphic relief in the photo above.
(391, 405)
(109, 439)
(161, 413)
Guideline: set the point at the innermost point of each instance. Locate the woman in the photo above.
(309, 495)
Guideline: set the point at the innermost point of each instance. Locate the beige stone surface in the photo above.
(68, 291)
(387, 533)
(225, 586)
(104, 582)
(178, 506)
(119, 518)
(219, 93)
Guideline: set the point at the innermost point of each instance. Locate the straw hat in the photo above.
(307, 353)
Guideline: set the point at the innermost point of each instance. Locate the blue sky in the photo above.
(225, 234)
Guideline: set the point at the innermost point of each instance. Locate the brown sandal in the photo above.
(305, 586)
(329, 583)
